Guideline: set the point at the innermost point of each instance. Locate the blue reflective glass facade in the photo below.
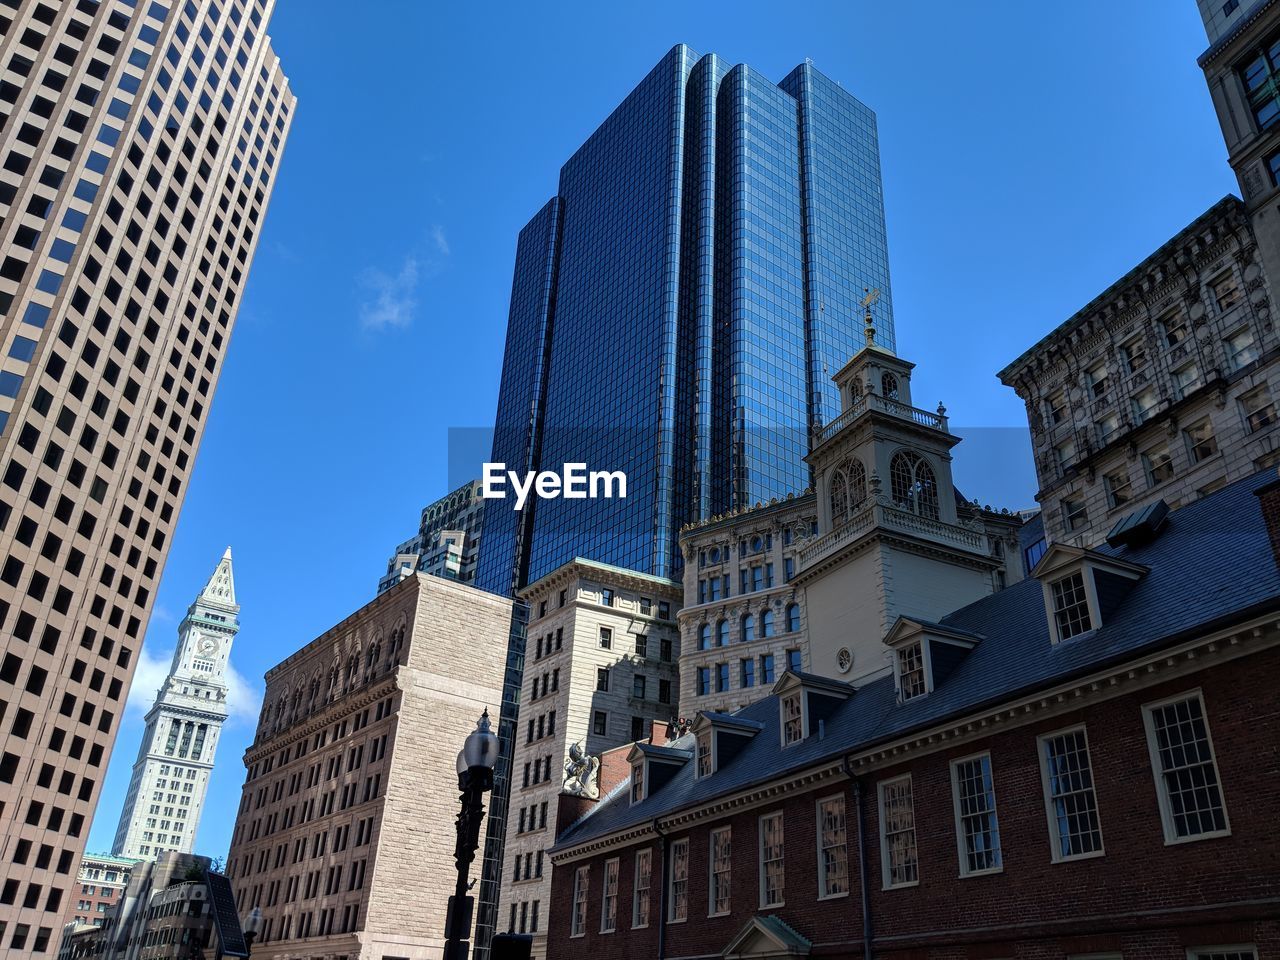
(679, 309)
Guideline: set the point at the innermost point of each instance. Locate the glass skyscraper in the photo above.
(679, 307)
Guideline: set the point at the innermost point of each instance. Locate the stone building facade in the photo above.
(351, 783)
(1163, 387)
(102, 878)
(600, 670)
(447, 542)
(1015, 792)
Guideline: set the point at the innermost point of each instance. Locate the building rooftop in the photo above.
(1188, 592)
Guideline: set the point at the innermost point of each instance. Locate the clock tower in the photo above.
(175, 758)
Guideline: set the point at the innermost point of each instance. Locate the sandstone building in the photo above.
(139, 146)
(351, 785)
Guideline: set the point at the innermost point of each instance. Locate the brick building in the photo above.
(351, 783)
(102, 880)
(1082, 764)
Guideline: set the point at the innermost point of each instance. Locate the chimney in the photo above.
(1269, 500)
(614, 768)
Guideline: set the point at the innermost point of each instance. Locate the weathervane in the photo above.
(871, 297)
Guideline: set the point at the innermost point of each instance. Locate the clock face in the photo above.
(207, 646)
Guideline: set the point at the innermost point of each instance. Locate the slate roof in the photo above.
(1212, 565)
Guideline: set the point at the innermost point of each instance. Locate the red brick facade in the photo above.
(1142, 898)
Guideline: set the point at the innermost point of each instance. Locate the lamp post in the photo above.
(251, 927)
(476, 761)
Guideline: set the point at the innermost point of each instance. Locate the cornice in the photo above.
(327, 715)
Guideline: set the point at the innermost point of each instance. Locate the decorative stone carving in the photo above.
(580, 773)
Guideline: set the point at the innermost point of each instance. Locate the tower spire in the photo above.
(221, 587)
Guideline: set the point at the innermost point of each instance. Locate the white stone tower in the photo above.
(175, 758)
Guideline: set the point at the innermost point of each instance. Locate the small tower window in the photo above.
(911, 678)
(914, 487)
(889, 386)
(1071, 606)
(792, 720)
(848, 489)
(637, 782)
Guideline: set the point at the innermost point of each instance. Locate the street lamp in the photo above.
(251, 927)
(476, 761)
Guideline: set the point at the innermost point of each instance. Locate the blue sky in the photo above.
(1032, 154)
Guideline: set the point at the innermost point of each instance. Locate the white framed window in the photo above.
(1107, 427)
(678, 886)
(833, 848)
(792, 719)
(640, 889)
(1075, 514)
(1057, 405)
(1098, 380)
(1158, 463)
(637, 782)
(1258, 408)
(1238, 951)
(977, 827)
(772, 870)
(703, 740)
(718, 876)
(1135, 354)
(1175, 328)
(1072, 614)
(578, 921)
(1119, 487)
(1186, 771)
(1144, 405)
(1066, 453)
(899, 863)
(1201, 443)
(1071, 805)
(1242, 349)
(609, 897)
(1186, 378)
(1226, 292)
(912, 681)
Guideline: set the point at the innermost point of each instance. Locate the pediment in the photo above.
(763, 937)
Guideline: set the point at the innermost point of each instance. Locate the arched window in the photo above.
(722, 633)
(766, 623)
(839, 495)
(913, 485)
(704, 637)
(889, 386)
(793, 617)
(748, 628)
(857, 475)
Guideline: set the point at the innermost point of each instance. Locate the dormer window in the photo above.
(792, 719)
(1071, 606)
(911, 676)
(704, 753)
(637, 782)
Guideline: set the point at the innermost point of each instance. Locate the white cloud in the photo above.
(393, 297)
(439, 239)
(244, 696)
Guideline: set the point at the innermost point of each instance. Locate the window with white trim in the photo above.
(703, 740)
(1242, 349)
(1234, 952)
(578, 921)
(1118, 486)
(1070, 802)
(678, 891)
(640, 889)
(1071, 606)
(833, 848)
(899, 861)
(1258, 408)
(1185, 379)
(977, 828)
(911, 678)
(1158, 463)
(637, 782)
(609, 899)
(1144, 404)
(792, 719)
(1201, 443)
(1187, 784)
(772, 872)
(721, 851)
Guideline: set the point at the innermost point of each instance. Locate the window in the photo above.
(793, 617)
(899, 863)
(678, 888)
(1201, 443)
(578, 922)
(1242, 349)
(912, 484)
(718, 896)
(747, 673)
(1185, 379)
(606, 638)
(1223, 953)
(609, 900)
(766, 623)
(600, 723)
(704, 637)
(1175, 329)
(602, 679)
(792, 719)
(1069, 799)
(766, 668)
(638, 686)
(1259, 410)
(1106, 427)
(606, 596)
(1135, 354)
(1074, 513)
(833, 850)
(637, 782)
(748, 628)
(911, 678)
(1158, 464)
(771, 864)
(1187, 785)
(1096, 377)
(704, 753)
(1144, 405)
(1226, 292)
(722, 677)
(722, 633)
(1118, 487)
(977, 830)
(640, 890)
(794, 658)
(1066, 453)
(1071, 613)
(704, 681)
(1057, 406)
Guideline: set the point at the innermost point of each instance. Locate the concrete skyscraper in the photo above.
(175, 758)
(680, 306)
(139, 144)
